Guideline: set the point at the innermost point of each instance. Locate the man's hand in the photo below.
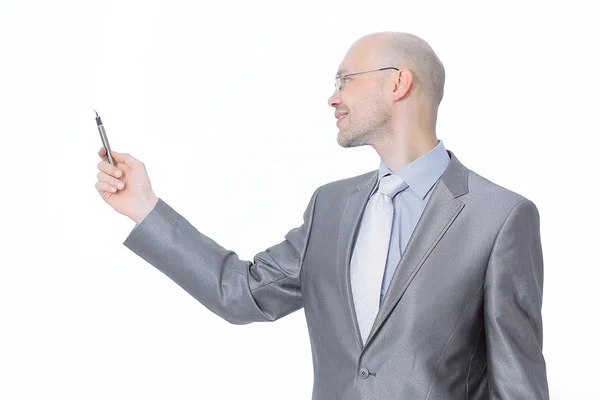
(134, 198)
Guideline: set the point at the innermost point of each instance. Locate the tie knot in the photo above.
(391, 184)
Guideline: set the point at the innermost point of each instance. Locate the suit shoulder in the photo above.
(494, 193)
(350, 182)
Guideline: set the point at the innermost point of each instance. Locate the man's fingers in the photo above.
(102, 187)
(110, 169)
(111, 180)
(102, 154)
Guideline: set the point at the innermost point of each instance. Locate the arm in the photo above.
(238, 291)
(512, 309)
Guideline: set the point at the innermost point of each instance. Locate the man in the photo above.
(419, 280)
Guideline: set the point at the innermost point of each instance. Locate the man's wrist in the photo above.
(146, 209)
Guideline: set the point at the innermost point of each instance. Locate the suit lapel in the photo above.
(349, 225)
(437, 217)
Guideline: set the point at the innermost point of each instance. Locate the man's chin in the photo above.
(346, 141)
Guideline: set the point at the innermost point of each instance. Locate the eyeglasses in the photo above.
(341, 80)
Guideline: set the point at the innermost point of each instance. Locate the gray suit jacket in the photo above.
(460, 320)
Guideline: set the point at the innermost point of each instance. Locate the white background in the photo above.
(226, 104)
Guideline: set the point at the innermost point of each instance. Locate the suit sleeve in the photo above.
(239, 291)
(512, 309)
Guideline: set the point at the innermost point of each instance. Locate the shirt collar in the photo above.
(422, 173)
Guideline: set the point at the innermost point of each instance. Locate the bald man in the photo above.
(419, 280)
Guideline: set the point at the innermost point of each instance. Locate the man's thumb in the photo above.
(125, 158)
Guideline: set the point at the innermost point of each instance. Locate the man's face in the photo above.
(361, 98)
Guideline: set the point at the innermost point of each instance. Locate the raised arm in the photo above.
(239, 291)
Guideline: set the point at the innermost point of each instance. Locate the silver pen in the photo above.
(104, 138)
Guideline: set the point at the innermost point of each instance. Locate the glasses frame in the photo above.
(338, 78)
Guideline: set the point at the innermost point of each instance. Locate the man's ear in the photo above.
(402, 84)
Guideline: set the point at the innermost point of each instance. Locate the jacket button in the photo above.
(363, 373)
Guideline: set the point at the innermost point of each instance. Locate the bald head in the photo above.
(405, 50)
(389, 109)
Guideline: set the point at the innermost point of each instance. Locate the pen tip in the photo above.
(96, 112)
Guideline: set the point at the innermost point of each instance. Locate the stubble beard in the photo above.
(349, 137)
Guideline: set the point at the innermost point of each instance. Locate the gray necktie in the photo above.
(370, 252)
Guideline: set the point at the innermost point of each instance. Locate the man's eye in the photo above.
(346, 80)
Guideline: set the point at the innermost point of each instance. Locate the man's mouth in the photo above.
(340, 118)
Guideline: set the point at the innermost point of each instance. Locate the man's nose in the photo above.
(335, 99)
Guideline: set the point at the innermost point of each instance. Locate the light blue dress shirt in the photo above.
(421, 175)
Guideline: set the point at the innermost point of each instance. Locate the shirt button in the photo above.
(363, 373)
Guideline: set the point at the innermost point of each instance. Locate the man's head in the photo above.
(390, 104)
